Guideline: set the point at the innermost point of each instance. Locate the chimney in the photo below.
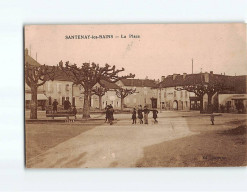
(211, 72)
(184, 75)
(26, 52)
(163, 78)
(174, 76)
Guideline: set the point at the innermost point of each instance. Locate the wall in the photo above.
(172, 99)
(58, 89)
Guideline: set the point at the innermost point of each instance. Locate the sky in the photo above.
(160, 49)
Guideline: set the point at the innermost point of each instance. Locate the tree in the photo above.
(99, 91)
(123, 93)
(88, 75)
(200, 86)
(198, 89)
(215, 85)
(36, 76)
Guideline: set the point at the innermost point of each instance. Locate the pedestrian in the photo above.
(106, 113)
(155, 115)
(212, 118)
(67, 104)
(140, 115)
(111, 117)
(74, 111)
(146, 112)
(134, 116)
(54, 105)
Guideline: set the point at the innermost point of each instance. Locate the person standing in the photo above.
(54, 106)
(146, 112)
(155, 115)
(134, 116)
(74, 111)
(106, 113)
(140, 115)
(212, 118)
(67, 104)
(111, 117)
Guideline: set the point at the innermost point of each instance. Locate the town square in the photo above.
(88, 114)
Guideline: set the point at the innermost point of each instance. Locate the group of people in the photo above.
(66, 105)
(109, 114)
(142, 113)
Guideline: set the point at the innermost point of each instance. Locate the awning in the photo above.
(39, 96)
(239, 98)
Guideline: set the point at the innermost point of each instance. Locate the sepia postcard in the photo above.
(135, 95)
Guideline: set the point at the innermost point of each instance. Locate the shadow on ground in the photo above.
(40, 138)
(225, 148)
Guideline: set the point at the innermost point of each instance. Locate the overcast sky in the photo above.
(162, 49)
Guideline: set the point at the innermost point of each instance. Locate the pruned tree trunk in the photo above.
(201, 104)
(100, 102)
(210, 103)
(122, 103)
(86, 106)
(34, 103)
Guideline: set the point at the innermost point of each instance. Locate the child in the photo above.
(155, 115)
(212, 118)
(134, 116)
(140, 115)
(74, 111)
(146, 112)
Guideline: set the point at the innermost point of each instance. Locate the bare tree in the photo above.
(123, 93)
(88, 75)
(100, 92)
(36, 76)
(214, 84)
(198, 89)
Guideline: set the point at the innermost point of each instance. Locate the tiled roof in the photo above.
(109, 85)
(236, 84)
(59, 74)
(139, 82)
(30, 60)
(180, 80)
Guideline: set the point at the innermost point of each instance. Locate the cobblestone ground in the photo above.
(98, 144)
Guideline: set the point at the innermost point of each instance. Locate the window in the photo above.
(175, 94)
(63, 98)
(59, 87)
(67, 87)
(50, 101)
(186, 94)
(49, 87)
(181, 94)
(165, 94)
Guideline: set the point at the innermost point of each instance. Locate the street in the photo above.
(95, 144)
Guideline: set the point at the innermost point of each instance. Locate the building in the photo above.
(234, 100)
(172, 99)
(41, 91)
(146, 92)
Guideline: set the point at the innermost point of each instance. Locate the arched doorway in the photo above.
(175, 105)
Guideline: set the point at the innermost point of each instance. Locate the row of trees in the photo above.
(86, 75)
